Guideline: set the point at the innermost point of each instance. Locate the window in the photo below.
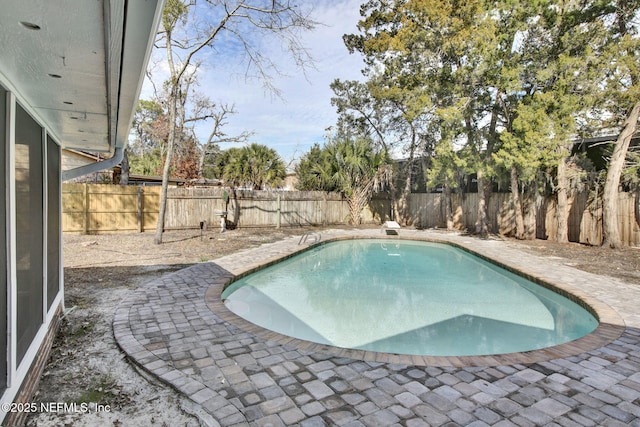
(3, 238)
(29, 229)
(53, 220)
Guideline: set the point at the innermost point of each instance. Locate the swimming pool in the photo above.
(405, 297)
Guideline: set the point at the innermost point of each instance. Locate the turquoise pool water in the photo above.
(405, 297)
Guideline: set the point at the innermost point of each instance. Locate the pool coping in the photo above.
(610, 324)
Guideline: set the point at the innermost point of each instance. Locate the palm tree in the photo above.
(231, 167)
(265, 168)
(256, 166)
(353, 167)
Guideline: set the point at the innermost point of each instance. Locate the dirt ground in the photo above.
(86, 364)
(623, 264)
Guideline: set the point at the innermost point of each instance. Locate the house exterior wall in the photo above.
(31, 381)
(86, 101)
(72, 160)
(31, 298)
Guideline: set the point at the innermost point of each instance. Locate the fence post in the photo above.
(278, 211)
(85, 208)
(140, 210)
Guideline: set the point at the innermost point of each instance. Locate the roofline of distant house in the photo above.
(605, 138)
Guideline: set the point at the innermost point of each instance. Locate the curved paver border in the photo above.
(243, 376)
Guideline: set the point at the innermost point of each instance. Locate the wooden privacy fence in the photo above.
(95, 208)
(585, 215)
(187, 207)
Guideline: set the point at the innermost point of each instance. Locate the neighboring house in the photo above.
(599, 148)
(146, 180)
(74, 159)
(70, 76)
(290, 182)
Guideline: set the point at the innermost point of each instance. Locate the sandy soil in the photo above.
(86, 364)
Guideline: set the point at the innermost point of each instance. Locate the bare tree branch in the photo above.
(185, 36)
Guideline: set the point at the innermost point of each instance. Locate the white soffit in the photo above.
(79, 64)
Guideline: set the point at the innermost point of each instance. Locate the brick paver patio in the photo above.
(177, 329)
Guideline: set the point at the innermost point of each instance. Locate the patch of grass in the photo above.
(102, 390)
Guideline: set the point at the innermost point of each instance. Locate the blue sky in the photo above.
(292, 123)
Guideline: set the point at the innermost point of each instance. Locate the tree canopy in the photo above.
(255, 166)
(498, 89)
